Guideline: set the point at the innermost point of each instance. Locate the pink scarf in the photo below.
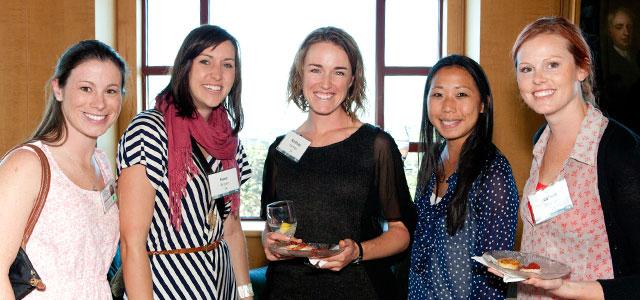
(214, 135)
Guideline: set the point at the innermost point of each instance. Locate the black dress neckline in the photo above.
(351, 137)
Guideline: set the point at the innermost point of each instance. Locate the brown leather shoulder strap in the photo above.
(45, 179)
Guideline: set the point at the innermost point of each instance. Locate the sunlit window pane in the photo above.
(411, 168)
(268, 45)
(155, 84)
(169, 22)
(268, 42)
(403, 106)
(411, 33)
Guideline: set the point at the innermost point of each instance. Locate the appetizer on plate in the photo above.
(531, 268)
(525, 265)
(509, 263)
(313, 250)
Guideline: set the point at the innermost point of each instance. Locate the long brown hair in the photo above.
(198, 40)
(52, 128)
(576, 45)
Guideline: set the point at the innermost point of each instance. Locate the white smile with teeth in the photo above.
(450, 123)
(324, 96)
(543, 93)
(95, 117)
(213, 87)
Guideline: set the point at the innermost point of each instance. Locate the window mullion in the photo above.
(204, 12)
(379, 80)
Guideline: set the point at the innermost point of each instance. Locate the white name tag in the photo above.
(108, 195)
(224, 183)
(550, 202)
(293, 146)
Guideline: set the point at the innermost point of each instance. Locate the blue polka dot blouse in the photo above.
(441, 265)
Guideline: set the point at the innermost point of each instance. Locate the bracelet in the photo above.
(360, 254)
(245, 291)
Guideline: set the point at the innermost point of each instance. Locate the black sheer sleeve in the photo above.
(619, 162)
(391, 182)
(269, 179)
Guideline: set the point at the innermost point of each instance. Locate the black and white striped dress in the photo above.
(201, 275)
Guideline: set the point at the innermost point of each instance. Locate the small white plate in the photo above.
(549, 269)
(313, 250)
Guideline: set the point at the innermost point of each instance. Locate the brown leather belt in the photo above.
(206, 248)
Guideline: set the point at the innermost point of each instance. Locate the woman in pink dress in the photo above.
(580, 204)
(75, 238)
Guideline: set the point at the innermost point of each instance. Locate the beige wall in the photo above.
(33, 33)
(127, 43)
(501, 21)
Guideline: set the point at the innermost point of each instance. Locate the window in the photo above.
(399, 41)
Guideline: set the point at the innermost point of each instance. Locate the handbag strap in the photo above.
(42, 194)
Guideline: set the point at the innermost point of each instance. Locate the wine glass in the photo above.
(281, 218)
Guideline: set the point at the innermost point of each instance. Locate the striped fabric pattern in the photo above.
(202, 275)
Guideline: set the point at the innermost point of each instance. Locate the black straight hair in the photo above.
(475, 150)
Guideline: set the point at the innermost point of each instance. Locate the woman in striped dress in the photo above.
(180, 231)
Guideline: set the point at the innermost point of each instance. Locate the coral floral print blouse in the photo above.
(577, 237)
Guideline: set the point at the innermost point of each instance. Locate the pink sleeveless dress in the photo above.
(74, 240)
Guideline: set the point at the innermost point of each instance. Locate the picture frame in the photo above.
(612, 30)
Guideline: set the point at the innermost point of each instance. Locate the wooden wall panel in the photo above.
(501, 21)
(13, 73)
(514, 122)
(32, 35)
(455, 22)
(127, 41)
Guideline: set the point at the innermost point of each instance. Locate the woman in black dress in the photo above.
(346, 184)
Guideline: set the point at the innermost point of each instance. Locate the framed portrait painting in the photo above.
(612, 29)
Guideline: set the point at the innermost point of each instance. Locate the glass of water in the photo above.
(281, 217)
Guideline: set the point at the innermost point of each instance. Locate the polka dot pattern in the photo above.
(441, 265)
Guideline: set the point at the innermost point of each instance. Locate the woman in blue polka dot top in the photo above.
(466, 197)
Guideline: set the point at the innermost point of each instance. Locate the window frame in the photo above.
(381, 69)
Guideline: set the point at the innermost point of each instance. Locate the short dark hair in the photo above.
(475, 149)
(52, 127)
(198, 40)
(356, 95)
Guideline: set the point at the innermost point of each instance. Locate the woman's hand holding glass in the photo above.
(281, 218)
(282, 223)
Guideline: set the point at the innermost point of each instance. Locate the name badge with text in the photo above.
(224, 183)
(550, 202)
(108, 195)
(293, 146)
